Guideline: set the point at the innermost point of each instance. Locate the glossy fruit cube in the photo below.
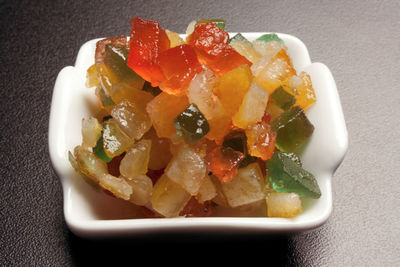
(174, 38)
(132, 92)
(282, 99)
(179, 65)
(293, 129)
(246, 187)
(142, 188)
(116, 41)
(220, 126)
(132, 119)
(207, 190)
(163, 110)
(136, 160)
(160, 153)
(92, 79)
(245, 48)
(89, 164)
(301, 88)
(191, 124)
(168, 198)
(115, 140)
(260, 140)
(224, 162)
(116, 185)
(91, 131)
(147, 40)
(283, 205)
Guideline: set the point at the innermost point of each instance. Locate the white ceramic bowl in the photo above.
(92, 213)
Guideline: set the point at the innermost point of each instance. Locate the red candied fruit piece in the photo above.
(147, 40)
(179, 65)
(212, 48)
(223, 162)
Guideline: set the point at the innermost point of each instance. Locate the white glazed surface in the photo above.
(92, 213)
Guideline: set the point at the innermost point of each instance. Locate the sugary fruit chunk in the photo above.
(196, 209)
(283, 205)
(130, 92)
(89, 164)
(191, 124)
(105, 100)
(282, 99)
(232, 87)
(115, 140)
(174, 38)
(160, 153)
(168, 197)
(118, 186)
(220, 126)
(116, 41)
(142, 188)
(301, 88)
(207, 190)
(293, 129)
(187, 168)
(268, 49)
(163, 110)
(133, 119)
(147, 40)
(286, 175)
(200, 93)
(244, 47)
(278, 69)
(179, 65)
(223, 162)
(260, 140)
(246, 187)
(220, 23)
(98, 150)
(91, 131)
(91, 77)
(136, 160)
(252, 107)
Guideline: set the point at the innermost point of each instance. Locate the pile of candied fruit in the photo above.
(192, 124)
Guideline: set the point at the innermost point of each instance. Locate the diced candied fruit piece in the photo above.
(283, 205)
(220, 23)
(268, 49)
(118, 186)
(200, 93)
(174, 38)
(179, 65)
(220, 125)
(168, 197)
(106, 76)
(260, 140)
(207, 190)
(282, 99)
(293, 129)
(246, 187)
(105, 100)
(220, 198)
(91, 77)
(195, 209)
(187, 168)
(286, 175)
(160, 153)
(136, 160)
(163, 110)
(252, 108)
(117, 41)
(273, 110)
(132, 119)
(270, 37)
(91, 131)
(191, 124)
(115, 58)
(232, 87)
(228, 60)
(302, 90)
(244, 47)
(275, 72)
(142, 187)
(113, 165)
(147, 40)
(89, 164)
(128, 90)
(98, 150)
(115, 140)
(223, 162)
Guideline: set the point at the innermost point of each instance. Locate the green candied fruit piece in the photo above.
(191, 124)
(238, 37)
(220, 23)
(237, 140)
(282, 99)
(293, 130)
(285, 175)
(270, 37)
(98, 150)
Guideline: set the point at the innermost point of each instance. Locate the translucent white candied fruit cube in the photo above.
(168, 198)
(142, 188)
(284, 205)
(246, 187)
(207, 190)
(133, 120)
(115, 141)
(268, 51)
(136, 160)
(89, 164)
(187, 168)
(91, 131)
(252, 108)
(246, 49)
(116, 185)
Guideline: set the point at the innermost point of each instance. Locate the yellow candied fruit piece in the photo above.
(219, 127)
(301, 88)
(115, 141)
(91, 77)
(284, 205)
(106, 77)
(174, 38)
(276, 72)
(160, 153)
(247, 50)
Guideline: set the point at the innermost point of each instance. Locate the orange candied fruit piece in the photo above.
(179, 65)
(302, 90)
(223, 162)
(147, 40)
(212, 48)
(163, 110)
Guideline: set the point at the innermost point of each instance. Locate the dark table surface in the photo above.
(359, 42)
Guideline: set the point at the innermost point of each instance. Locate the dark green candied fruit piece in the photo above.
(293, 130)
(237, 37)
(220, 23)
(270, 37)
(282, 99)
(105, 99)
(98, 150)
(191, 124)
(237, 141)
(288, 176)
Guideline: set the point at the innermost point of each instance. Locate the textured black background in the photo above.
(358, 40)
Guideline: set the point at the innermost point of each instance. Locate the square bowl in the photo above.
(92, 213)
